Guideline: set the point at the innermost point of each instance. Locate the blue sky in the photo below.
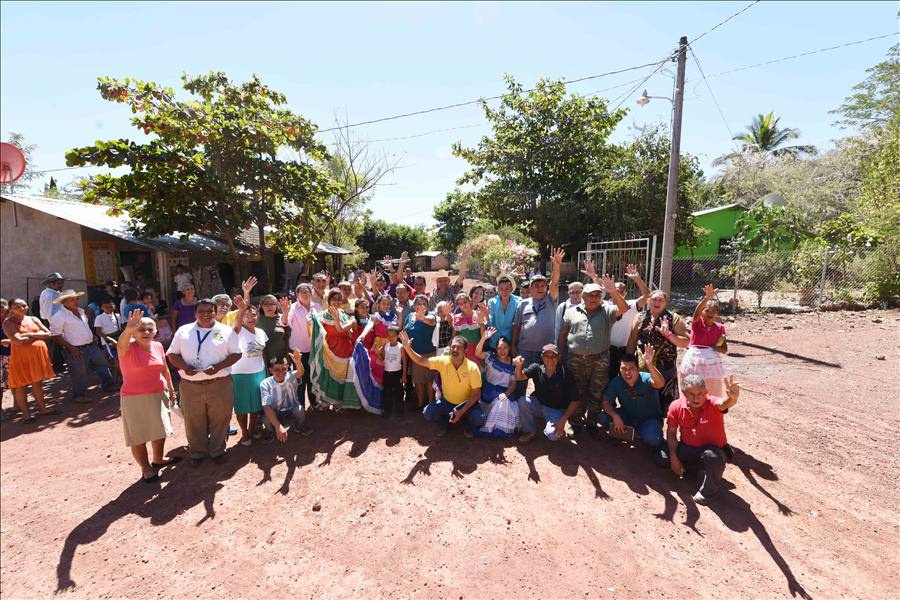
(378, 60)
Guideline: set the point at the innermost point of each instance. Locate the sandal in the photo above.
(171, 461)
(51, 413)
(153, 479)
(29, 420)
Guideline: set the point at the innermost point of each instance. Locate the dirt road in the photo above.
(809, 511)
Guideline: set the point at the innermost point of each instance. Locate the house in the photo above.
(720, 222)
(432, 260)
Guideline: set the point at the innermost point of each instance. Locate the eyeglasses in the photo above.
(270, 304)
(304, 291)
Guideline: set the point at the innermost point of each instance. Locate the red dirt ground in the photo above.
(809, 511)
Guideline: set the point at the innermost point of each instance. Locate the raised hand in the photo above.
(648, 353)
(335, 314)
(134, 319)
(296, 356)
(285, 305)
(248, 285)
(404, 256)
(518, 271)
(631, 272)
(465, 253)
(710, 292)
(519, 361)
(484, 312)
(589, 269)
(608, 283)
(488, 333)
(732, 389)
(663, 328)
(240, 303)
(504, 266)
(557, 257)
(404, 339)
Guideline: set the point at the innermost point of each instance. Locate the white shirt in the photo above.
(300, 339)
(108, 323)
(181, 280)
(219, 345)
(253, 346)
(48, 309)
(392, 360)
(74, 329)
(122, 305)
(621, 329)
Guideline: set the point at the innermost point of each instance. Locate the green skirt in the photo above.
(247, 398)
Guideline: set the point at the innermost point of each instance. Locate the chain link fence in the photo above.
(789, 280)
(34, 286)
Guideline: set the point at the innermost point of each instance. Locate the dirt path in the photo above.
(810, 509)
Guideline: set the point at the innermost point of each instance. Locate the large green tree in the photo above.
(212, 164)
(455, 214)
(380, 238)
(875, 101)
(764, 136)
(544, 142)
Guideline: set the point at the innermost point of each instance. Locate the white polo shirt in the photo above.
(201, 348)
(74, 329)
(621, 329)
(48, 309)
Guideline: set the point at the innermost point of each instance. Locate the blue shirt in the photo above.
(420, 334)
(501, 320)
(537, 319)
(645, 404)
(139, 307)
(280, 396)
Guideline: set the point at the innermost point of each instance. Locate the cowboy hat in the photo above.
(52, 277)
(67, 294)
(443, 273)
(507, 277)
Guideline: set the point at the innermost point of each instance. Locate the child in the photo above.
(707, 342)
(181, 279)
(395, 361)
(105, 324)
(280, 401)
(147, 301)
(249, 372)
(443, 333)
(469, 325)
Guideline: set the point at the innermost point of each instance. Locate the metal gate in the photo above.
(612, 255)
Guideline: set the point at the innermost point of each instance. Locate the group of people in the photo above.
(382, 340)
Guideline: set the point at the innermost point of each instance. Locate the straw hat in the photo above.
(443, 273)
(67, 294)
(509, 278)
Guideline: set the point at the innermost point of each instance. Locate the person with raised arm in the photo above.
(299, 320)
(444, 292)
(280, 399)
(637, 395)
(501, 412)
(707, 343)
(621, 329)
(250, 371)
(555, 398)
(332, 379)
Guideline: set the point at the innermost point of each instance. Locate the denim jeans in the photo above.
(91, 356)
(650, 430)
(531, 357)
(709, 458)
(530, 408)
(297, 414)
(439, 412)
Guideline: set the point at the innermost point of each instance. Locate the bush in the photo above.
(885, 284)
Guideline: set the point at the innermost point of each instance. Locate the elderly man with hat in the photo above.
(70, 329)
(555, 398)
(53, 284)
(444, 292)
(585, 331)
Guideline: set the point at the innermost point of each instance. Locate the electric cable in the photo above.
(723, 22)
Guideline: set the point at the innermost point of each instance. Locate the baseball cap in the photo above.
(592, 287)
(550, 348)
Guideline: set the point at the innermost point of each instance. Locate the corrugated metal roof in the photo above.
(250, 238)
(716, 209)
(95, 217)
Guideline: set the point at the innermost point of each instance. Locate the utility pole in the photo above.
(665, 272)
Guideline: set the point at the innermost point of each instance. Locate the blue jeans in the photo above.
(91, 356)
(439, 412)
(531, 357)
(296, 413)
(530, 408)
(650, 430)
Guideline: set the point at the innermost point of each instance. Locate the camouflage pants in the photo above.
(591, 377)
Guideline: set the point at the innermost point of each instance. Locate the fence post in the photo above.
(822, 283)
(737, 283)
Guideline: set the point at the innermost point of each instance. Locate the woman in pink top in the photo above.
(707, 343)
(145, 383)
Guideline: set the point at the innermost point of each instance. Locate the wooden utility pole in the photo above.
(665, 272)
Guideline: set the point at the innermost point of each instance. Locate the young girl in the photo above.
(361, 317)
(707, 342)
(379, 322)
(498, 384)
(331, 377)
(249, 371)
(477, 296)
(468, 325)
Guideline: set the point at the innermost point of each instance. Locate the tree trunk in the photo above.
(236, 258)
(264, 257)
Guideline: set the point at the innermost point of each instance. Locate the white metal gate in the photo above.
(612, 256)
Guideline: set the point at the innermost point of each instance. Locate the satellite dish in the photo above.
(774, 200)
(12, 163)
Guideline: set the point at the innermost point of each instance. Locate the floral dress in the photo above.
(666, 352)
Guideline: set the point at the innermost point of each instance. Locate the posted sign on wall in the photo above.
(99, 262)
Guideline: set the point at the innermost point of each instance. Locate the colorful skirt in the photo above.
(368, 389)
(501, 419)
(702, 361)
(330, 376)
(247, 397)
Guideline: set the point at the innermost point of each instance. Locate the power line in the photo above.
(804, 54)
(628, 94)
(411, 215)
(724, 120)
(723, 22)
(430, 132)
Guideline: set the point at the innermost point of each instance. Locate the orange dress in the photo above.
(31, 363)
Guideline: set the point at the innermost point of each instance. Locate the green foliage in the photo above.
(542, 144)
(380, 238)
(764, 136)
(807, 264)
(23, 183)
(770, 227)
(847, 232)
(760, 271)
(455, 215)
(212, 163)
(876, 101)
(884, 285)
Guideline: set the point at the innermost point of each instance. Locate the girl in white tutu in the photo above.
(707, 343)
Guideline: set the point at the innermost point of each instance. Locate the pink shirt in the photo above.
(297, 322)
(701, 335)
(142, 370)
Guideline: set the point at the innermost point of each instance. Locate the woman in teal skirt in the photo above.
(249, 371)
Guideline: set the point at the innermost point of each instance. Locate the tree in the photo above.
(455, 214)
(212, 164)
(23, 183)
(765, 137)
(768, 228)
(876, 100)
(380, 238)
(543, 144)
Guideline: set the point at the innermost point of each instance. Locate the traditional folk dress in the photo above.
(501, 416)
(330, 374)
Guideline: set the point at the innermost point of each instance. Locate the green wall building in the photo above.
(720, 223)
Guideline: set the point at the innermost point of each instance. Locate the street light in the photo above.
(644, 100)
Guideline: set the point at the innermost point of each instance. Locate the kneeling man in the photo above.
(555, 397)
(638, 397)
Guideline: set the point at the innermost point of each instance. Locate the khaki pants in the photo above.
(207, 409)
(591, 377)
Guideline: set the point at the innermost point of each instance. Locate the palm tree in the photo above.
(764, 136)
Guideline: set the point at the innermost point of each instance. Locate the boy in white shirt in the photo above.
(280, 400)
(395, 360)
(109, 323)
(181, 279)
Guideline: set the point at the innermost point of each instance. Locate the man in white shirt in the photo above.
(54, 282)
(70, 329)
(182, 278)
(297, 319)
(621, 330)
(204, 352)
(575, 290)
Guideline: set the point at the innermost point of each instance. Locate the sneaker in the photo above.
(570, 431)
(81, 399)
(304, 430)
(269, 437)
(256, 435)
(593, 431)
(246, 441)
(527, 438)
(703, 500)
(232, 430)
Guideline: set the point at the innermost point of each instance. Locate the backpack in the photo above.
(36, 307)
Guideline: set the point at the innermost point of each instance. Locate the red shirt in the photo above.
(708, 422)
(142, 370)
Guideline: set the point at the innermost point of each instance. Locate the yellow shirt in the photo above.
(228, 319)
(457, 384)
